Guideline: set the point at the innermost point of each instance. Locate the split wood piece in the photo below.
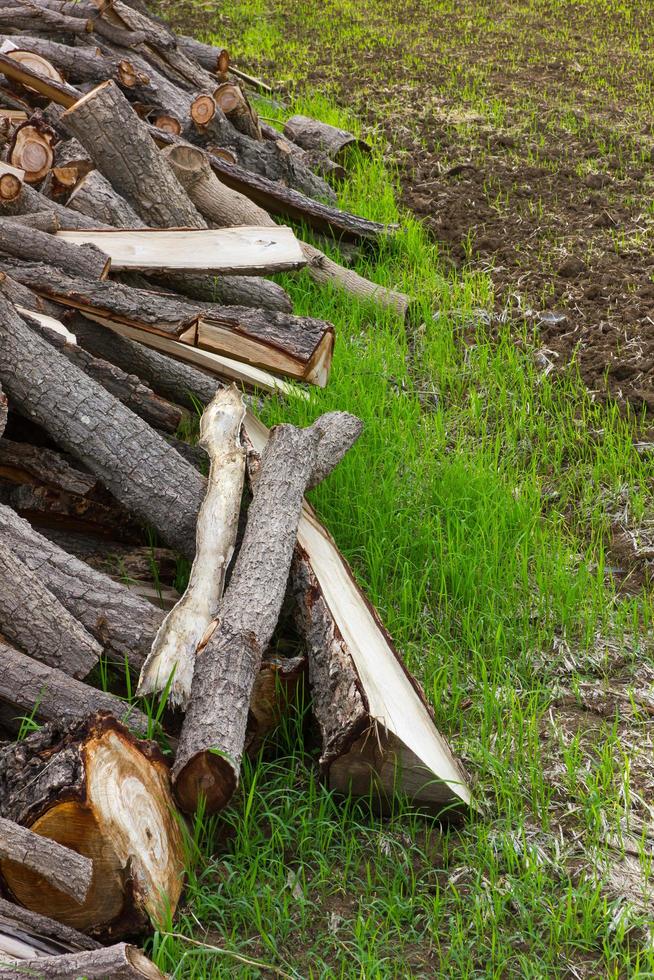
(26, 935)
(30, 243)
(31, 151)
(32, 617)
(29, 201)
(299, 347)
(116, 139)
(58, 182)
(221, 205)
(245, 250)
(129, 389)
(96, 788)
(36, 690)
(238, 110)
(59, 92)
(119, 962)
(122, 622)
(312, 135)
(65, 870)
(22, 463)
(171, 661)
(208, 759)
(41, 220)
(4, 408)
(276, 688)
(378, 733)
(131, 460)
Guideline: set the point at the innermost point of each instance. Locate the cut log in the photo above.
(96, 120)
(30, 243)
(95, 197)
(213, 59)
(378, 732)
(167, 123)
(312, 135)
(70, 154)
(203, 109)
(170, 664)
(41, 220)
(208, 759)
(26, 935)
(10, 184)
(317, 161)
(59, 92)
(29, 201)
(238, 110)
(119, 962)
(39, 19)
(58, 182)
(36, 620)
(51, 695)
(3, 410)
(96, 788)
(31, 151)
(64, 870)
(126, 455)
(222, 206)
(246, 250)
(123, 623)
(35, 62)
(22, 463)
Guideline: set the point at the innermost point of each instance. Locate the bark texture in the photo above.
(22, 463)
(29, 243)
(51, 695)
(36, 620)
(29, 201)
(119, 962)
(122, 622)
(3, 410)
(66, 870)
(131, 460)
(311, 134)
(40, 933)
(130, 162)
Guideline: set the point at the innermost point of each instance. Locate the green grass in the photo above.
(475, 511)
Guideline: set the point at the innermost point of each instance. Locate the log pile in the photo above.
(137, 193)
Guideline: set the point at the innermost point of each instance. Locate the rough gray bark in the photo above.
(41, 220)
(52, 695)
(171, 378)
(107, 126)
(37, 246)
(312, 135)
(22, 463)
(211, 744)
(41, 20)
(29, 201)
(119, 962)
(95, 197)
(126, 455)
(41, 933)
(127, 388)
(66, 870)
(32, 617)
(213, 59)
(121, 621)
(3, 410)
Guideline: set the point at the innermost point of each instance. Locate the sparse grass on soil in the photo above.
(478, 510)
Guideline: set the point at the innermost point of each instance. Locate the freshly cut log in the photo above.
(65, 870)
(94, 787)
(119, 962)
(246, 250)
(238, 110)
(203, 109)
(167, 123)
(10, 184)
(212, 740)
(35, 62)
(123, 623)
(130, 161)
(37, 246)
(29, 201)
(222, 206)
(58, 182)
(70, 154)
(34, 689)
(127, 456)
(32, 617)
(59, 92)
(170, 663)
(214, 59)
(32, 152)
(312, 135)
(378, 732)
(26, 935)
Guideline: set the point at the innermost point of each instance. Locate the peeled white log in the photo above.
(173, 652)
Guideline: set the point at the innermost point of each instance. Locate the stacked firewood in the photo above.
(137, 188)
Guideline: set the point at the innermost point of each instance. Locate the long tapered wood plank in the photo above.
(229, 251)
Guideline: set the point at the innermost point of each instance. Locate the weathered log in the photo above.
(170, 663)
(70, 154)
(202, 109)
(247, 250)
(225, 207)
(96, 788)
(44, 506)
(65, 870)
(39, 19)
(10, 186)
(312, 135)
(3, 410)
(33, 61)
(96, 121)
(119, 962)
(214, 59)
(316, 160)
(48, 694)
(26, 935)
(276, 689)
(41, 220)
(20, 462)
(123, 623)
(29, 201)
(59, 92)
(126, 455)
(32, 617)
(30, 243)
(238, 110)
(125, 562)
(127, 388)
(378, 732)
(211, 744)
(58, 182)
(95, 197)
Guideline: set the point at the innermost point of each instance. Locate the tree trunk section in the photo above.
(37, 935)
(63, 869)
(126, 455)
(119, 962)
(171, 661)
(122, 622)
(313, 135)
(21, 242)
(29, 201)
(131, 162)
